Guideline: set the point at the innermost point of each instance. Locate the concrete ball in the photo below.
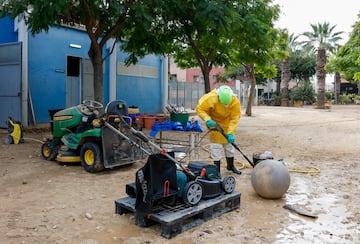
(270, 179)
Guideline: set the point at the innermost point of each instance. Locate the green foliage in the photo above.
(207, 34)
(277, 99)
(349, 98)
(346, 60)
(191, 31)
(198, 33)
(322, 36)
(328, 95)
(302, 65)
(237, 72)
(303, 92)
(345, 99)
(102, 19)
(256, 41)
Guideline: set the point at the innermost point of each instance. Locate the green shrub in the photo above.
(345, 99)
(328, 95)
(303, 92)
(277, 100)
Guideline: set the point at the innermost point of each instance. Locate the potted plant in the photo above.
(357, 99)
(301, 94)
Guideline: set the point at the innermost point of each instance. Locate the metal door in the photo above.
(79, 81)
(10, 82)
(87, 73)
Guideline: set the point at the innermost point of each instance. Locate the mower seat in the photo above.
(115, 109)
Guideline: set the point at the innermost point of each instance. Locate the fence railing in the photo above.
(185, 94)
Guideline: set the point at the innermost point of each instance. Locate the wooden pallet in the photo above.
(177, 219)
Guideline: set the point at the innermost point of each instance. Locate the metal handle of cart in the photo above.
(130, 141)
(145, 139)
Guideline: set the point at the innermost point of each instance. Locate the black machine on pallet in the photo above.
(163, 183)
(181, 217)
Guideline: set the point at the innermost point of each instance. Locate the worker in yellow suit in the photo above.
(222, 107)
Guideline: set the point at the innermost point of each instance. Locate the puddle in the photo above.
(335, 222)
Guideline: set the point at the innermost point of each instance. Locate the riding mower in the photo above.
(79, 134)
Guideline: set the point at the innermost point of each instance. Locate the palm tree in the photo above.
(285, 70)
(321, 39)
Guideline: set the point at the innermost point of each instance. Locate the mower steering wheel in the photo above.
(92, 105)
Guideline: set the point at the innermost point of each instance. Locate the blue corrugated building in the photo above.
(52, 70)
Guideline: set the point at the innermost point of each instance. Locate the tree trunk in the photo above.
(285, 79)
(337, 87)
(250, 74)
(206, 72)
(98, 81)
(278, 83)
(95, 55)
(321, 75)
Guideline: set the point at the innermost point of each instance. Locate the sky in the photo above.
(297, 15)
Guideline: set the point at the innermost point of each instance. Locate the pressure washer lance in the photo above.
(145, 139)
(221, 130)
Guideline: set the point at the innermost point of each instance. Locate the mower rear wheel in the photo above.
(192, 193)
(91, 157)
(228, 184)
(48, 150)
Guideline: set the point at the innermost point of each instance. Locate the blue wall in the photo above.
(47, 74)
(7, 33)
(145, 93)
(47, 67)
(47, 60)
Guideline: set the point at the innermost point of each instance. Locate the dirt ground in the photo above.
(47, 202)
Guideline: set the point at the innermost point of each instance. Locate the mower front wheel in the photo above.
(49, 150)
(91, 157)
(228, 184)
(192, 193)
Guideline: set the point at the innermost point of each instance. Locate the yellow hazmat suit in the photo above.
(209, 107)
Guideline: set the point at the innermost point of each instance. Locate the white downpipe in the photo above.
(112, 70)
(22, 30)
(165, 82)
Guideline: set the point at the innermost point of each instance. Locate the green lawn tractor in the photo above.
(79, 135)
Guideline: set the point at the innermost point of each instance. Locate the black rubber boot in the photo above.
(217, 163)
(230, 166)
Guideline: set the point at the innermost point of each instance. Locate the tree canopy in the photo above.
(203, 33)
(257, 44)
(302, 65)
(207, 34)
(322, 36)
(194, 32)
(102, 20)
(346, 60)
